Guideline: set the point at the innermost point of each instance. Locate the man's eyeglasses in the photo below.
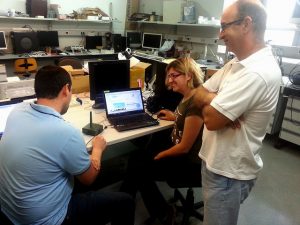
(173, 75)
(224, 26)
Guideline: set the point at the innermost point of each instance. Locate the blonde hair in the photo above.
(187, 65)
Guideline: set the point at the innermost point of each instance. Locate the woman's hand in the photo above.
(166, 115)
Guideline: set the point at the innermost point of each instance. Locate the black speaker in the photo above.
(119, 42)
(108, 41)
(24, 42)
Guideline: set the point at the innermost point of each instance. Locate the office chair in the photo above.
(190, 181)
(25, 66)
(3, 219)
(70, 61)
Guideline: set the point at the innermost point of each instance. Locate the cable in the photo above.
(90, 140)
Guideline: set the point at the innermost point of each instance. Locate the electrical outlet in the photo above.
(82, 33)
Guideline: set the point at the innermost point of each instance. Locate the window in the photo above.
(280, 31)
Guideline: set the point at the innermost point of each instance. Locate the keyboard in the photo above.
(148, 56)
(135, 122)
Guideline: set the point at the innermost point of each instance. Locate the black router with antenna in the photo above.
(92, 128)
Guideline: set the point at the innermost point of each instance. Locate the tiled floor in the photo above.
(275, 199)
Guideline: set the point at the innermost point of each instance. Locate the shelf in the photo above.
(177, 24)
(55, 20)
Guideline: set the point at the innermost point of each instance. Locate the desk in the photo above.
(78, 115)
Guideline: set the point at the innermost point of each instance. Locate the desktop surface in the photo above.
(78, 115)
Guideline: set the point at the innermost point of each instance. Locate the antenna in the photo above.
(92, 128)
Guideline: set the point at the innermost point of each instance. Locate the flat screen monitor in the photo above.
(2, 41)
(5, 109)
(92, 42)
(48, 38)
(151, 40)
(107, 75)
(134, 39)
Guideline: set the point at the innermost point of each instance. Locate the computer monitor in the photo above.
(48, 38)
(151, 41)
(3, 44)
(92, 42)
(133, 39)
(107, 75)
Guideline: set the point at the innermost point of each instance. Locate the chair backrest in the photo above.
(74, 62)
(3, 219)
(190, 174)
(192, 178)
(25, 65)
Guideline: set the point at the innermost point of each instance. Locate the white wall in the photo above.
(67, 6)
(206, 8)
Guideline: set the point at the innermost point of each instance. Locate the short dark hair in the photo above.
(257, 12)
(49, 81)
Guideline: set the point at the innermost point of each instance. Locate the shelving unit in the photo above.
(70, 31)
(54, 19)
(178, 24)
(7, 23)
(197, 33)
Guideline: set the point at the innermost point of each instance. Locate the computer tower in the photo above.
(36, 8)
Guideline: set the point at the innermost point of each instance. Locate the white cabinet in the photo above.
(290, 129)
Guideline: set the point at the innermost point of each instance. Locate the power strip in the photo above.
(21, 29)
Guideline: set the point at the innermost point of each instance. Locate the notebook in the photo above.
(5, 110)
(125, 109)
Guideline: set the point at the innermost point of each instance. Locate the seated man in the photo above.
(40, 154)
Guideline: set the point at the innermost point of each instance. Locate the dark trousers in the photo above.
(143, 171)
(99, 207)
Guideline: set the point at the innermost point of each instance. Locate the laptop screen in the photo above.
(4, 112)
(124, 102)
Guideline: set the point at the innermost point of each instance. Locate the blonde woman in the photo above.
(169, 156)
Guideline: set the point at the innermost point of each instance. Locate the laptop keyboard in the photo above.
(134, 122)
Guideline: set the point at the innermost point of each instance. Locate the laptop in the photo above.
(125, 109)
(5, 109)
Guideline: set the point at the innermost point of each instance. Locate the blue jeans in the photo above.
(98, 207)
(222, 197)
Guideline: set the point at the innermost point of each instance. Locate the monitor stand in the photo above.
(99, 103)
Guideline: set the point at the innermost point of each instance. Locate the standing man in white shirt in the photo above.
(241, 95)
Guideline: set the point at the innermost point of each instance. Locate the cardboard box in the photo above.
(73, 72)
(137, 75)
(172, 11)
(80, 84)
